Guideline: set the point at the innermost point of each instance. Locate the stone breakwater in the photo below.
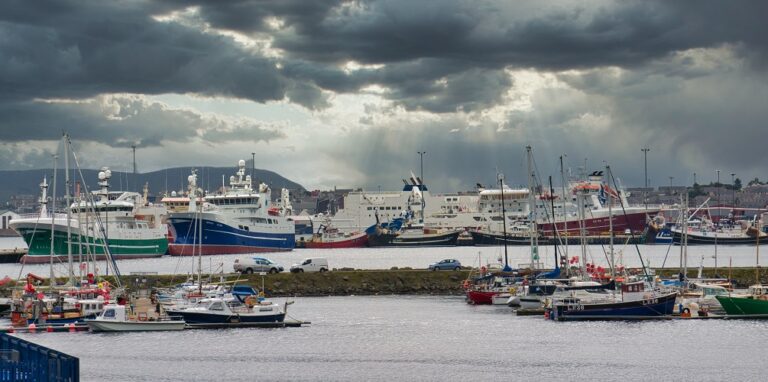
(347, 282)
(413, 282)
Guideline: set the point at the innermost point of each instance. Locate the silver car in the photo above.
(257, 264)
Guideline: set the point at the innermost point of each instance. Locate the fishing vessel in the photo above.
(237, 220)
(328, 236)
(114, 318)
(634, 302)
(131, 225)
(594, 195)
(704, 232)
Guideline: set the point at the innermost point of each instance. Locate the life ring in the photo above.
(685, 313)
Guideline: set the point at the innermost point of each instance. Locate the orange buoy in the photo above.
(49, 329)
(71, 327)
(32, 327)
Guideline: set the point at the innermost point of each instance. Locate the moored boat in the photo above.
(114, 318)
(220, 311)
(131, 226)
(755, 302)
(634, 302)
(238, 220)
(328, 236)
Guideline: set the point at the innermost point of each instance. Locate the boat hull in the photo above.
(134, 326)
(742, 305)
(193, 317)
(478, 297)
(359, 240)
(654, 307)
(634, 221)
(485, 238)
(427, 240)
(693, 238)
(38, 240)
(219, 238)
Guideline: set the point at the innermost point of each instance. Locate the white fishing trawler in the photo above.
(131, 225)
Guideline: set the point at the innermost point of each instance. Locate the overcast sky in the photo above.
(345, 93)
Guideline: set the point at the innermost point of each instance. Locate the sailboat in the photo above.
(74, 301)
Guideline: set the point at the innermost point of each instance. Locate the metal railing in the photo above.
(22, 360)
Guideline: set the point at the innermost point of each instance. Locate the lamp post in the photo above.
(645, 176)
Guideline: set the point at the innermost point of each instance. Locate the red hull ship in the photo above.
(326, 240)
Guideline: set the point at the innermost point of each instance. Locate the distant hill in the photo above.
(26, 182)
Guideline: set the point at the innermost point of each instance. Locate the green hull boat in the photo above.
(746, 305)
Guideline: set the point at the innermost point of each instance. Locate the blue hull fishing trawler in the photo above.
(237, 220)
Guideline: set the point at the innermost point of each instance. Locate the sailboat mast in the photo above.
(610, 223)
(564, 211)
(685, 238)
(531, 207)
(68, 201)
(504, 222)
(757, 252)
(554, 219)
(200, 252)
(582, 234)
(53, 215)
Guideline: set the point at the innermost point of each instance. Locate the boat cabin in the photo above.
(758, 290)
(113, 312)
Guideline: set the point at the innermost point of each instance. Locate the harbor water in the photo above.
(385, 258)
(424, 338)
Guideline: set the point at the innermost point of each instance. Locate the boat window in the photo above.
(109, 313)
(216, 306)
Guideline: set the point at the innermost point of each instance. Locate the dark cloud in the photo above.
(685, 77)
(122, 121)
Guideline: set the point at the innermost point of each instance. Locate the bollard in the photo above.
(32, 327)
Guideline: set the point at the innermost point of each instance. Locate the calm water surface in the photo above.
(411, 338)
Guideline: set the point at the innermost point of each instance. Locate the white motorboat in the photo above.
(114, 318)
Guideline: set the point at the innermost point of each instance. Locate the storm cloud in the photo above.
(364, 84)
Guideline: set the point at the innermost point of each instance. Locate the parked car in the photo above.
(312, 264)
(447, 264)
(257, 264)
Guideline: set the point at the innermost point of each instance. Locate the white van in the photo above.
(312, 264)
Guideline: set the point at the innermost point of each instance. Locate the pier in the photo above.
(12, 255)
